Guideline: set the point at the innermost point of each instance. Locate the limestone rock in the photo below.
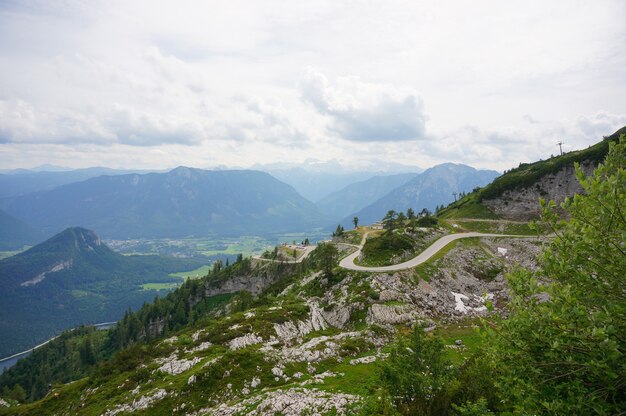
(391, 314)
(244, 341)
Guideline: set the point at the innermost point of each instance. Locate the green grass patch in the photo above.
(467, 207)
(360, 379)
(496, 227)
(467, 332)
(380, 251)
(159, 286)
(192, 274)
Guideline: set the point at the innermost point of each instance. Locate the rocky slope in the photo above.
(312, 345)
(523, 203)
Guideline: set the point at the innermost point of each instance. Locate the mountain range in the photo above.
(24, 181)
(180, 203)
(71, 279)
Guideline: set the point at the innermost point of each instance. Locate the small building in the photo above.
(377, 226)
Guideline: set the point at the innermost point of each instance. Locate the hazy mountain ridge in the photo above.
(179, 203)
(358, 195)
(316, 180)
(15, 234)
(24, 181)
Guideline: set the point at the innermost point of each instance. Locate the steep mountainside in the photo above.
(515, 195)
(182, 202)
(25, 182)
(15, 234)
(70, 279)
(429, 189)
(358, 195)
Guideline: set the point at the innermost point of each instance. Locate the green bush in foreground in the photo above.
(562, 350)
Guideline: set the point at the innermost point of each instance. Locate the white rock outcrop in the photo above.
(288, 331)
(292, 402)
(391, 314)
(244, 341)
(173, 365)
(139, 404)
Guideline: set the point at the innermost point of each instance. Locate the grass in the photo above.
(467, 207)
(380, 251)
(467, 331)
(193, 274)
(496, 227)
(159, 286)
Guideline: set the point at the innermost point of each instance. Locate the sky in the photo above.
(154, 85)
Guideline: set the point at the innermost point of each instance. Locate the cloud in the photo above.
(601, 124)
(22, 122)
(365, 112)
(529, 119)
(144, 129)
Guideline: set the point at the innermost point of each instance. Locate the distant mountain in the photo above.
(435, 186)
(317, 185)
(316, 180)
(72, 279)
(25, 181)
(359, 195)
(182, 202)
(15, 234)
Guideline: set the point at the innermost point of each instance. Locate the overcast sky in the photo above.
(148, 84)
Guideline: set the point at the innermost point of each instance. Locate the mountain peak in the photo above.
(84, 236)
(81, 239)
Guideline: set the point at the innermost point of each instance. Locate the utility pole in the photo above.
(455, 194)
(560, 147)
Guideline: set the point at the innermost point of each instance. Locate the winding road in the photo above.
(434, 248)
(348, 262)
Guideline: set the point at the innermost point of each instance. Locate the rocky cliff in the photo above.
(523, 203)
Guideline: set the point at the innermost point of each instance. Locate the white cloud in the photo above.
(365, 112)
(22, 122)
(601, 124)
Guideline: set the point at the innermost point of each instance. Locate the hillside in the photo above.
(182, 202)
(515, 195)
(305, 330)
(358, 195)
(433, 187)
(71, 279)
(14, 234)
